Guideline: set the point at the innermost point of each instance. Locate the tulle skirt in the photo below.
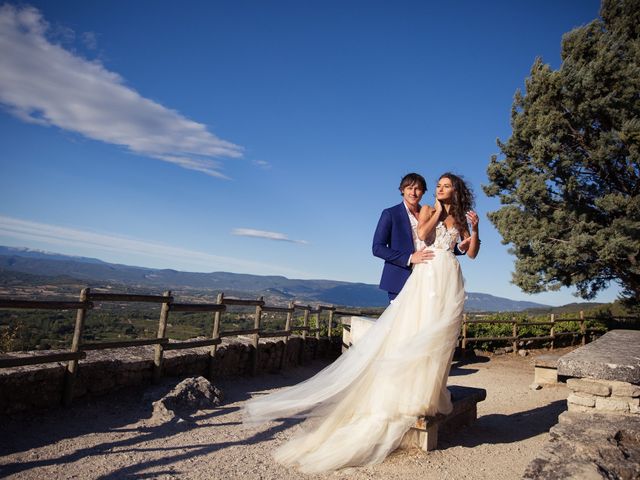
(358, 409)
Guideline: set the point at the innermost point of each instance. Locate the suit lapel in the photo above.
(406, 224)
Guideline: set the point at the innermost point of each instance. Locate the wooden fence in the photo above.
(88, 299)
(516, 326)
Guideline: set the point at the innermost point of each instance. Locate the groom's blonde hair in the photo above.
(411, 178)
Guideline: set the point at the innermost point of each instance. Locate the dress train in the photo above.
(358, 409)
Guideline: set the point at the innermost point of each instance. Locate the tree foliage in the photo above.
(568, 177)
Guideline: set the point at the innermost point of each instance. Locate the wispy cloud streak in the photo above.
(27, 232)
(43, 83)
(249, 232)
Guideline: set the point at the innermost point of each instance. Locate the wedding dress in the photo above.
(358, 409)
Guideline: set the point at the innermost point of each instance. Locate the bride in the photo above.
(358, 409)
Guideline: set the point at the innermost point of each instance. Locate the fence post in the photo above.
(463, 345)
(255, 340)
(215, 334)
(318, 324)
(552, 333)
(305, 324)
(287, 329)
(72, 365)
(330, 325)
(162, 330)
(514, 334)
(583, 328)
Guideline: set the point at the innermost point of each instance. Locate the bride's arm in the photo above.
(474, 237)
(427, 221)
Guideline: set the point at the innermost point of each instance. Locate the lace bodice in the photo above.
(442, 237)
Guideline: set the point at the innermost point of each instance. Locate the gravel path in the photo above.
(114, 437)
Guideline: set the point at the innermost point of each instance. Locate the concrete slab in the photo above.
(614, 356)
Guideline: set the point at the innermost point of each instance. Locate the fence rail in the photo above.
(517, 326)
(88, 299)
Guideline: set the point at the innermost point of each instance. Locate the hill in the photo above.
(276, 289)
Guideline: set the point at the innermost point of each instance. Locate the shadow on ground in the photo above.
(127, 411)
(498, 428)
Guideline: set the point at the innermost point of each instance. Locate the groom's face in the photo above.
(412, 194)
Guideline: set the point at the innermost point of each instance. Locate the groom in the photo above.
(393, 239)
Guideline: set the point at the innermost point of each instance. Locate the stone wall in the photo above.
(104, 371)
(603, 396)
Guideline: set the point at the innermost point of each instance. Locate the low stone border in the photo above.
(103, 371)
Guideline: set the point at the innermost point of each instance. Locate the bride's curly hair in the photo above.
(462, 201)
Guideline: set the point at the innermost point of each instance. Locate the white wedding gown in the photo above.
(359, 407)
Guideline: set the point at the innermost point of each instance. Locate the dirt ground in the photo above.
(113, 437)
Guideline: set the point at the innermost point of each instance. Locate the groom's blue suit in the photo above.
(393, 242)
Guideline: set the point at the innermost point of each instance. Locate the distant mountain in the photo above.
(275, 288)
(34, 253)
(568, 308)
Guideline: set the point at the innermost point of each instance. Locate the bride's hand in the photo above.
(473, 219)
(438, 207)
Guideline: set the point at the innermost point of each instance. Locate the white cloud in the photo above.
(262, 164)
(43, 83)
(249, 232)
(90, 40)
(28, 232)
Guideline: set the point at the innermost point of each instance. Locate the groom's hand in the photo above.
(422, 256)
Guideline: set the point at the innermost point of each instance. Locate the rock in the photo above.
(589, 447)
(523, 353)
(189, 396)
(535, 386)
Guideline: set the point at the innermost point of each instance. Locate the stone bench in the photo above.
(604, 376)
(424, 434)
(546, 369)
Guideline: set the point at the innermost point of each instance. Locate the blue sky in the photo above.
(257, 137)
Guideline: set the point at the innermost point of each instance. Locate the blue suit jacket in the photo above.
(393, 242)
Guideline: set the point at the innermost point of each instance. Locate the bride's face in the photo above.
(444, 189)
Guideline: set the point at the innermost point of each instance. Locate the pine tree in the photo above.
(568, 177)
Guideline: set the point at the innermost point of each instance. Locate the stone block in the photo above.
(624, 389)
(572, 407)
(589, 386)
(424, 433)
(544, 375)
(584, 400)
(612, 405)
(635, 409)
(547, 360)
